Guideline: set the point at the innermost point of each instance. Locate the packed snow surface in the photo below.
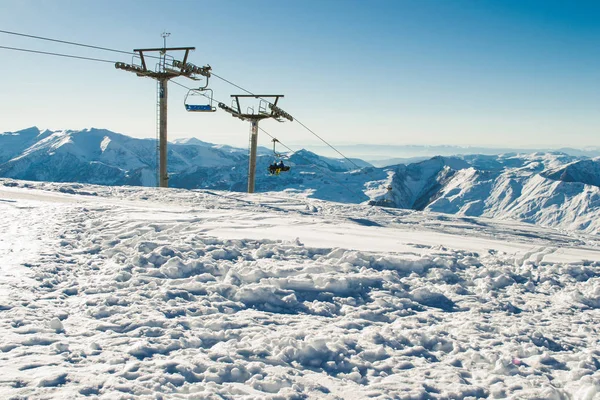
(116, 292)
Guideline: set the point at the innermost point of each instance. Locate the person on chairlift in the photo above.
(273, 168)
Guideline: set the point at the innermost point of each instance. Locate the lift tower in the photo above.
(250, 115)
(167, 68)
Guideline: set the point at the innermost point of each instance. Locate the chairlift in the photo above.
(277, 166)
(199, 100)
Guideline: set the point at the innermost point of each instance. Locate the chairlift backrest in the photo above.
(204, 106)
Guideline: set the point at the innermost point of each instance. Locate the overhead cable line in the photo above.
(64, 42)
(310, 163)
(130, 53)
(324, 141)
(288, 148)
(296, 119)
(70, 43)
(56, 54)
(196, 90)
(237, 86)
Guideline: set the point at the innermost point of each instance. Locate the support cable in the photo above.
(237, 86)
(311, 163)
(130, 53)
(56, 54)
(324, 141)
(296, 119)
(324, 171)
(196, 90)
(65, 42)
(71, 43)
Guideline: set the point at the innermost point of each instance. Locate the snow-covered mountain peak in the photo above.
(192, 141)
(306, 157)
(583, 171)
(32, 131)
(452, 162)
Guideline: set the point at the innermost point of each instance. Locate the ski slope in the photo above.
(121, 292)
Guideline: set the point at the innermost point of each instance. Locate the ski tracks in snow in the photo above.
(32, 265)
(535, 256)
(125, 300)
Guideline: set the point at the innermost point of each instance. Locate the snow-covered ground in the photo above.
(117, 292)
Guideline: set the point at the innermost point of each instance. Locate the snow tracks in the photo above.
(126, 301)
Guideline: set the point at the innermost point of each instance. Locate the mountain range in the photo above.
(384, 155)
(548, 188)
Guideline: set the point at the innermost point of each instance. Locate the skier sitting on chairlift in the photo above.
(282, 167)
(277, 167)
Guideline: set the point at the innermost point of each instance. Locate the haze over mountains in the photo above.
(547, 188)
(384, 155)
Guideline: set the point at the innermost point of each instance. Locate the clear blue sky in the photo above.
(497, 73)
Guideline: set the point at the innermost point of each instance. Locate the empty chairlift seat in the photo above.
(198, 107)
(199, 100)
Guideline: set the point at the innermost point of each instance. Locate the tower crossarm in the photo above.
(140, 71)
(189, 68)
(230, 110)
(277, 112)
(165, 73)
